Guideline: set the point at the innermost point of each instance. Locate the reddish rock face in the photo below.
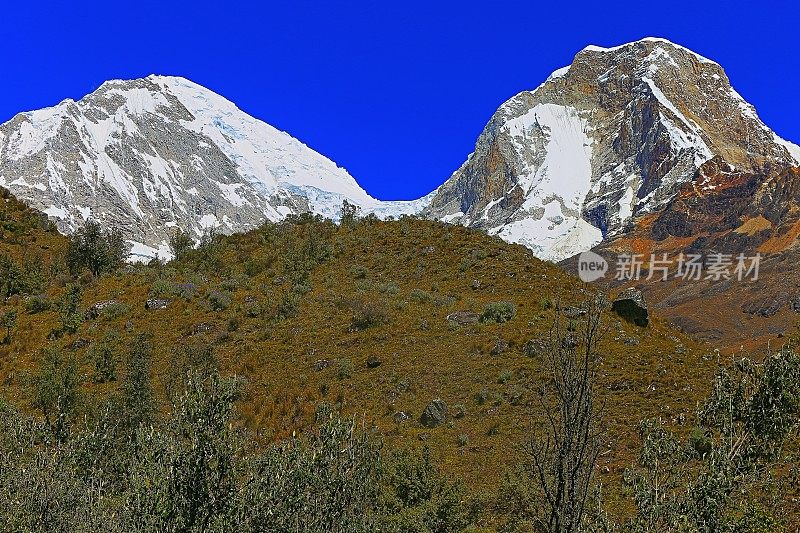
(728, 211)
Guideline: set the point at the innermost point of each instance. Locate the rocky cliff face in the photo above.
(160, 153)
(582, 159)
(602, 143)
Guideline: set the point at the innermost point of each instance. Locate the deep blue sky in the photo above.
(397, 94)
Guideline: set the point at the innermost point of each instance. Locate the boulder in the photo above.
(463, 318)
(95, 310)
(499, 347)
(630, 305)
(321, 365)
(794, 304)
(156, 303)
(373, 361)
(401, 416)
(435, 414)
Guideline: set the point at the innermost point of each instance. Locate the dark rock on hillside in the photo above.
(373, 361)
(435, 414)
(631, 306)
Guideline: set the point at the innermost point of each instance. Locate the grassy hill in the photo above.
(376, 318)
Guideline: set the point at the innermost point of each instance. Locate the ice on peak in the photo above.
(659, 40)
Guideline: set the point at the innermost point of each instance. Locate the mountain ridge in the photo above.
(559, 168)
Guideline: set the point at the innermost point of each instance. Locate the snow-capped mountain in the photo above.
(611, 137)
(154, 154)
(574, 162)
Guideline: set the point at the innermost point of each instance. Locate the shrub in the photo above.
(505, 376)
(368, 315)
(416, 496)
(115, 310)
(345, 369)
(8, 320)
(359, 272)
(498, 312)
(71, 319)
(37, 304)
(219, 300)
(56, 391)
(105, 365)
(388, 288)
(420, 296)
(180, 244)
(289, 305)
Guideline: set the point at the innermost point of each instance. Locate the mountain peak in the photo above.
(602, 142)
(648, 42)
(153, 154)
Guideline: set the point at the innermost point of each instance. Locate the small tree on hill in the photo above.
(96, 250)
(71, 318)
(137, 391)
(56, 391)
(561, 455)
(8, 320)
(180, 244)
(10, 277)
(349, 213)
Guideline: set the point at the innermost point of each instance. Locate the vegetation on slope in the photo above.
(377, 319)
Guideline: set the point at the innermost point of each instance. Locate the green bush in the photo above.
(368, 315)
(102, 354)
(115, 310)
(498, 312)
(420, 296)
(219, 300)
(345, 369)
(37, 304)
(417, 497)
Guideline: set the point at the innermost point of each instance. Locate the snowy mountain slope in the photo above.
(153, 154)
(600, 142)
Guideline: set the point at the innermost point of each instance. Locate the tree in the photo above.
(184, 478)
(102, 353)
(137, 391)
(8, 320)
(562, 455)
(180, 244)
(416, 495)
(96, 250)
(348, 214)
(71, 318)
(10, 277)
(692, 484)
(56, 391)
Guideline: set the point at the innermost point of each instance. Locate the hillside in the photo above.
(356, 315)
(381, 289)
